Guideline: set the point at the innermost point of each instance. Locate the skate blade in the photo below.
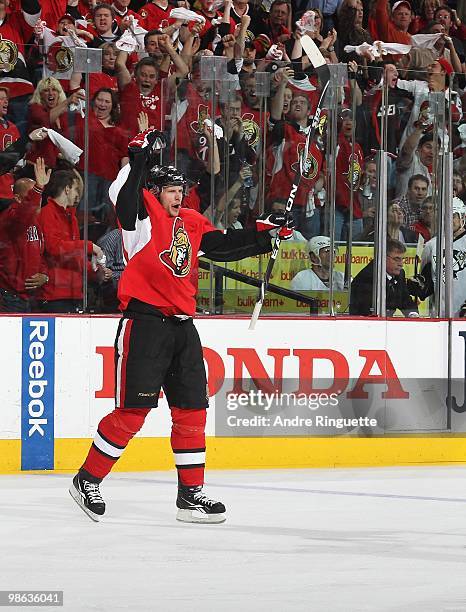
(194, 516)
(77, 498)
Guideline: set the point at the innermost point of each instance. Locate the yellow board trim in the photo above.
(148, 454)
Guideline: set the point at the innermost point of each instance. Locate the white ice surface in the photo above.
(383, 539)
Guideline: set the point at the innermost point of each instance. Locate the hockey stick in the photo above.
(419, 250)
(319, 63)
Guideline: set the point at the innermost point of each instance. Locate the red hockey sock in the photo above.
(188, 444)
(113, 434)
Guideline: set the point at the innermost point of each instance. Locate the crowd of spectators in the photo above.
(239, 137)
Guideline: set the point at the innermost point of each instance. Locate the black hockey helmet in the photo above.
(159, 177)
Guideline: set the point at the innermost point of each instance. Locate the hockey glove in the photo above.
(150, 139)
(276, 221)
(416, 286)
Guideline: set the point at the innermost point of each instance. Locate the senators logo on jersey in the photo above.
(353, 176)
(202, 114)
(310, 166)
(250, 129)
(8, 55)
(59, 58)
(178, 257)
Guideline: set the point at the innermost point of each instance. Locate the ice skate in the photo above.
(195, 507)
(87, 495)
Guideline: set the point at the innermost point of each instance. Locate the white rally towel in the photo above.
(127, 42)
(425, 41)
(186, 15)
(68, 149)
(132, 39)
(379, 49)
(306, 23)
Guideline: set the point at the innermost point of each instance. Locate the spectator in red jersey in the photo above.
(288, 140)
(22, 267)
(64, 250)
(143, 93)
(155, 15)
(16, 28)
(47, 109)
(57, 48)
(349, 169)
(8, 134)
(107, 151)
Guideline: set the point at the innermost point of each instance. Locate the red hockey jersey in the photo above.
(161, 253)
(15, 31)
(154, 17)
(349, 167)
(286, 158)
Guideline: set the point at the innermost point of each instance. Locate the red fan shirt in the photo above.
(108, 145)
(21, 244)
(64, 253)
(39, 117)
(132, 102)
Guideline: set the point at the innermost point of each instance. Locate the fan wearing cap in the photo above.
(157, 345)
(424, 284)
(57, 48)
(394, 27)
(317, 277)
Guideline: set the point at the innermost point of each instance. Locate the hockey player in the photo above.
(317, 277)
(423, 285)
(157, 344)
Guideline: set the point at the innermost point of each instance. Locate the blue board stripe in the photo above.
(37, 393)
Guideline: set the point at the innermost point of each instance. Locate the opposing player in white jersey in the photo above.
(317, 277)
(423, 285)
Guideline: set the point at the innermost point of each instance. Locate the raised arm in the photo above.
(122, 72)
(126, 191)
